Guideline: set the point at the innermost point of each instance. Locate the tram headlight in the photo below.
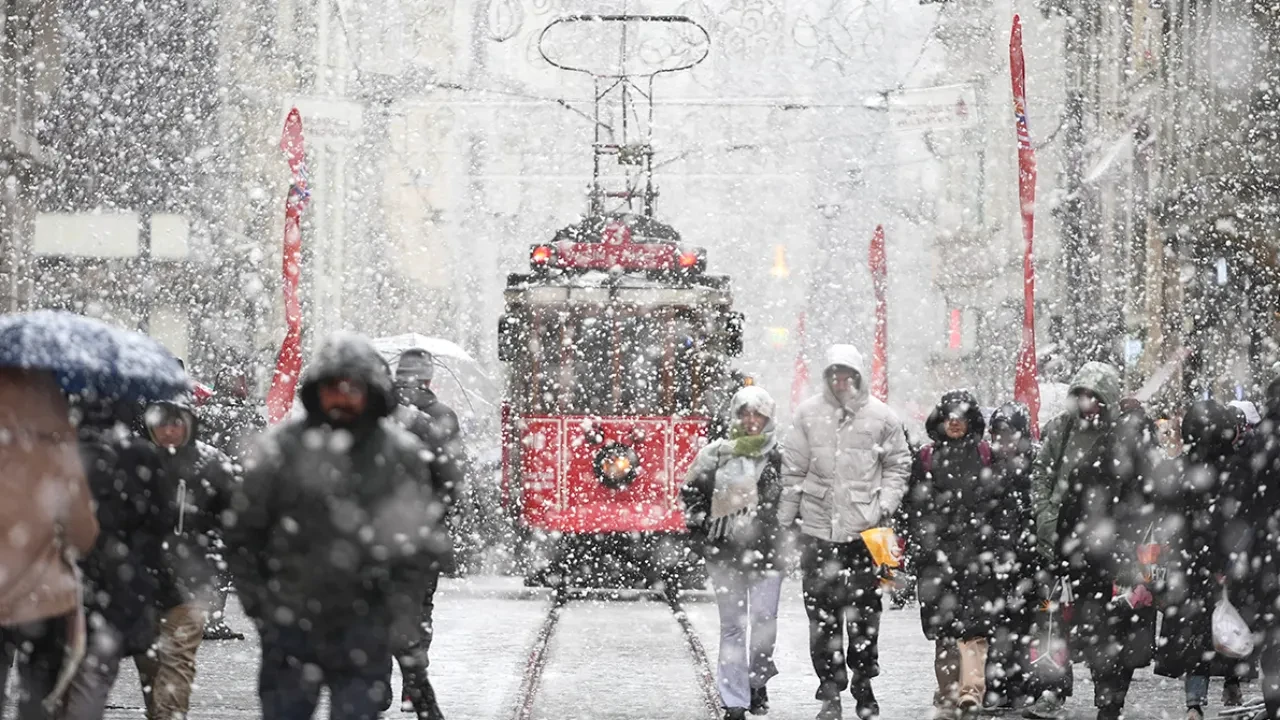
(616, 466)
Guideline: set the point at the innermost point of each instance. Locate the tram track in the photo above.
(540, 655)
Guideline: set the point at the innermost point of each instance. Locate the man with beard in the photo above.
(334, 532)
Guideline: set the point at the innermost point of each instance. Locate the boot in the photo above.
(973, 674)
(735, 714)
(1232, 695)
(831, 710)
(946, 668)
(759, 701)
(1047, 707)
(1195, 713)
(1110, 713)
(868, 708)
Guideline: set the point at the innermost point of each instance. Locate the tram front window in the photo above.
(616, 362)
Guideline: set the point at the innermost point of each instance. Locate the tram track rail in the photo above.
(539, 655)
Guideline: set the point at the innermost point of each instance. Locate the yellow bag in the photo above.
(886, 550)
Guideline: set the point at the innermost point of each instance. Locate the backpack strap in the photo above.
(984, 451)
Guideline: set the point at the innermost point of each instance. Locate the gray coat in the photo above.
(844, 466)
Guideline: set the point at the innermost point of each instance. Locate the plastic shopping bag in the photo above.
(1231, 636)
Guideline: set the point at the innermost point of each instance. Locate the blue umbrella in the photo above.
(87, 355)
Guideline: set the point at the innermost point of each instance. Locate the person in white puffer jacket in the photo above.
(845, 469)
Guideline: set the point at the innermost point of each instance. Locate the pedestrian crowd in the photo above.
(1094, 543)
(127, 519)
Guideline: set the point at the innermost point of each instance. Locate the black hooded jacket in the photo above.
(1188, 492)
(335, 525)
(956, 505)
(203, 481)
(126, 582)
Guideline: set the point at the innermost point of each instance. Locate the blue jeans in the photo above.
(748, 604)
(297, 663)
(1197, 689)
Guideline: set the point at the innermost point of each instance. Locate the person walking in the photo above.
(845, 470)
(956, 513)
(203, 482)
(335, 529)
(730, 497)
(439, 434)
(1093, 400)
(128, 584)
(229, 421)
(47, 501)
(1186, 495)
(1106, 516)
(1011, 682)
(1250, 542)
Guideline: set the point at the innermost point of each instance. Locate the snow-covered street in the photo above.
(615, 659)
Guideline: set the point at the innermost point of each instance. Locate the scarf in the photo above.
(739, 462)
(744, 445)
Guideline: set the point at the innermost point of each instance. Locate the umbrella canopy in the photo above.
(391, 347)
(470, 384)
(88, 355)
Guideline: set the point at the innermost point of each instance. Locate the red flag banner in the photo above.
(880, 281)
(800, 381)
(1026, 388)
(284, 382)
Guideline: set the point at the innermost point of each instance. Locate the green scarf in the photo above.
(747, 445)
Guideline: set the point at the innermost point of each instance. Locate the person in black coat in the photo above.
(1013, 452)
(1187, 493)
(730, 497)
(1106, 514)
(335, 531)
(1250, 541)
(203, 481)
(127, 584)
(438, 433)
(962, 522)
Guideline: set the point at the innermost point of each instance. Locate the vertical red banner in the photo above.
(1026, 387)
(880, 282)
(800, 380)
(284, 382)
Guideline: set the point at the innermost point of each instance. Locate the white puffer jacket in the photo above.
(845, 467)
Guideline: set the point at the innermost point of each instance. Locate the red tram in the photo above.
(616, 345)
(616, 341)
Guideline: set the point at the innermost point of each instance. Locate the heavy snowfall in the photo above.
(644, 359)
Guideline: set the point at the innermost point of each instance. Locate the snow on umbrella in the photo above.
(88, 355)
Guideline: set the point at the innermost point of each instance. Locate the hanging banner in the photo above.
(800, 381)
(284, 382)
(880, 282)
(1026, 387)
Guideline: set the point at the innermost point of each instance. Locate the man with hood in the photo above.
(335, 528)
(438, 433)
(1094, 401)
(845, 469)
(203, 480)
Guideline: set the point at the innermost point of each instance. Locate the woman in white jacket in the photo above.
(731, 499)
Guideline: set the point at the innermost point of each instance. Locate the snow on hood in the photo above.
(755, 398)
(1250, 411)
(1102, 380)
(846, 356)
(349, 355)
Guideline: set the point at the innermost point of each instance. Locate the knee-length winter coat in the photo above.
(956, 512)
(1106, 514)
(1187, 495)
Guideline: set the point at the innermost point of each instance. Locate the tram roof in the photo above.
(601, 288)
